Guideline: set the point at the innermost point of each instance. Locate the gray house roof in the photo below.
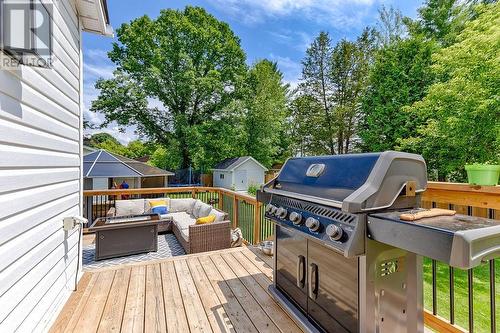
(229, 164)
(104, 164)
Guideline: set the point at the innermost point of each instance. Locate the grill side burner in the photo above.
(344, 261)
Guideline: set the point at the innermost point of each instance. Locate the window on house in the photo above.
(221, 176)
(26, 32)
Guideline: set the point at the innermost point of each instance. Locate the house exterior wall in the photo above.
(226, 182)
(40, 180)
(255, 173)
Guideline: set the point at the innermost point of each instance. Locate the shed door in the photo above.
(240, 180)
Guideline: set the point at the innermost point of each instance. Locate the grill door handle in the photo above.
(314, 282)
(301, 271)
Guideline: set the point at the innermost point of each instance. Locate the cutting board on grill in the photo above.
(421, 214)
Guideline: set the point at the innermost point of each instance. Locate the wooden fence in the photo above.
(450, 294)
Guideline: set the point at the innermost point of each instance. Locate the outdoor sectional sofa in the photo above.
(181, 219)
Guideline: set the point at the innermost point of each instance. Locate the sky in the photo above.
(278, 30)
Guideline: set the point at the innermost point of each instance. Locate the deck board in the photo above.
(221, 291)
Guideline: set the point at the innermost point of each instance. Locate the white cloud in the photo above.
(341, 14)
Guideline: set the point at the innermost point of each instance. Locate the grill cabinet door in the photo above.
(333, 289)
(291, 264)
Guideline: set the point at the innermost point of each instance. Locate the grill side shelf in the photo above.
(460, 241)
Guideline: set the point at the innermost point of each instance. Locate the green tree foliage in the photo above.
(316, 84)
(461, 112)
(188, 60)
(134, 149)
(328, 97)
(399, 76)
(266, 112)
(167, 159)
(442, 20)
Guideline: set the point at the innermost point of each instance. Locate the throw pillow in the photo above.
(204, 210)
(219, 216)
(196, 209)
(182, 205)
(158, 206)
(129, 207)
(205, 220)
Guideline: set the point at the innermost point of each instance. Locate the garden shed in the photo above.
(238, 173)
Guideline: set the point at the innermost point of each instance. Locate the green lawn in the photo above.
(481, 295)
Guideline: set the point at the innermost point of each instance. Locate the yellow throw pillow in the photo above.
(206, 219)
(158, 206)
(156, 203)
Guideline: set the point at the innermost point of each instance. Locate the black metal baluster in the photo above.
(470, 281)
(493, 316)
(434, 288)
(452, 295)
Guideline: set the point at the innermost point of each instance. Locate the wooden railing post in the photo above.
(221, 199)
(235, 212)
(256, 226)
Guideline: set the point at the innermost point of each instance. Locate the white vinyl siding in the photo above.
(254, 172)
(40, 180)
(225, 182)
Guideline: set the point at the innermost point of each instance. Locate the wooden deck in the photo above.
(222, 291)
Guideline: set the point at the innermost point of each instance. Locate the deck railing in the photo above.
(458, 300)
(455, 300)
(244, 210)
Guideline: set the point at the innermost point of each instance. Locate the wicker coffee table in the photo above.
(125, 235)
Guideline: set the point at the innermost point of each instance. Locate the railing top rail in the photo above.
(160, 190)
(463, 187)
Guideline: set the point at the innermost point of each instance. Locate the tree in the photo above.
(306, 128)
(442, 20)
(266, 111)
(315, 82)
(399, 77)
(187, 60)
(98, 138)
(329, 95)
(390, 26)
(460, 115)
(349, 70)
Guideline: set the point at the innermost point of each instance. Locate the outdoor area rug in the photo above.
(168, 246)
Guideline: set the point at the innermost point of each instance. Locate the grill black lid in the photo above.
(353, 182)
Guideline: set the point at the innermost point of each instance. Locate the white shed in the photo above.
(239, 173)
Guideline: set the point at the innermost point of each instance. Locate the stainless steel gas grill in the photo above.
(344, 260)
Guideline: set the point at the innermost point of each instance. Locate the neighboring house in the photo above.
(41, 115)
(238, 173)
(101, 169)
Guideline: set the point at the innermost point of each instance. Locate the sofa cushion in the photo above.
(184, 234)
(219, 216)
(129, 207)
(147, 204)
(196, 208)
(182, 220)
(182, 205)
(204, 210)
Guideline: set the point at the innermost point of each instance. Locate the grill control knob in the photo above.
(334, 232)
(281, 212)
(296, 218)
(313, 224)
(271, 209)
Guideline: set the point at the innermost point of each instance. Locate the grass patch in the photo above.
(481, 294)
